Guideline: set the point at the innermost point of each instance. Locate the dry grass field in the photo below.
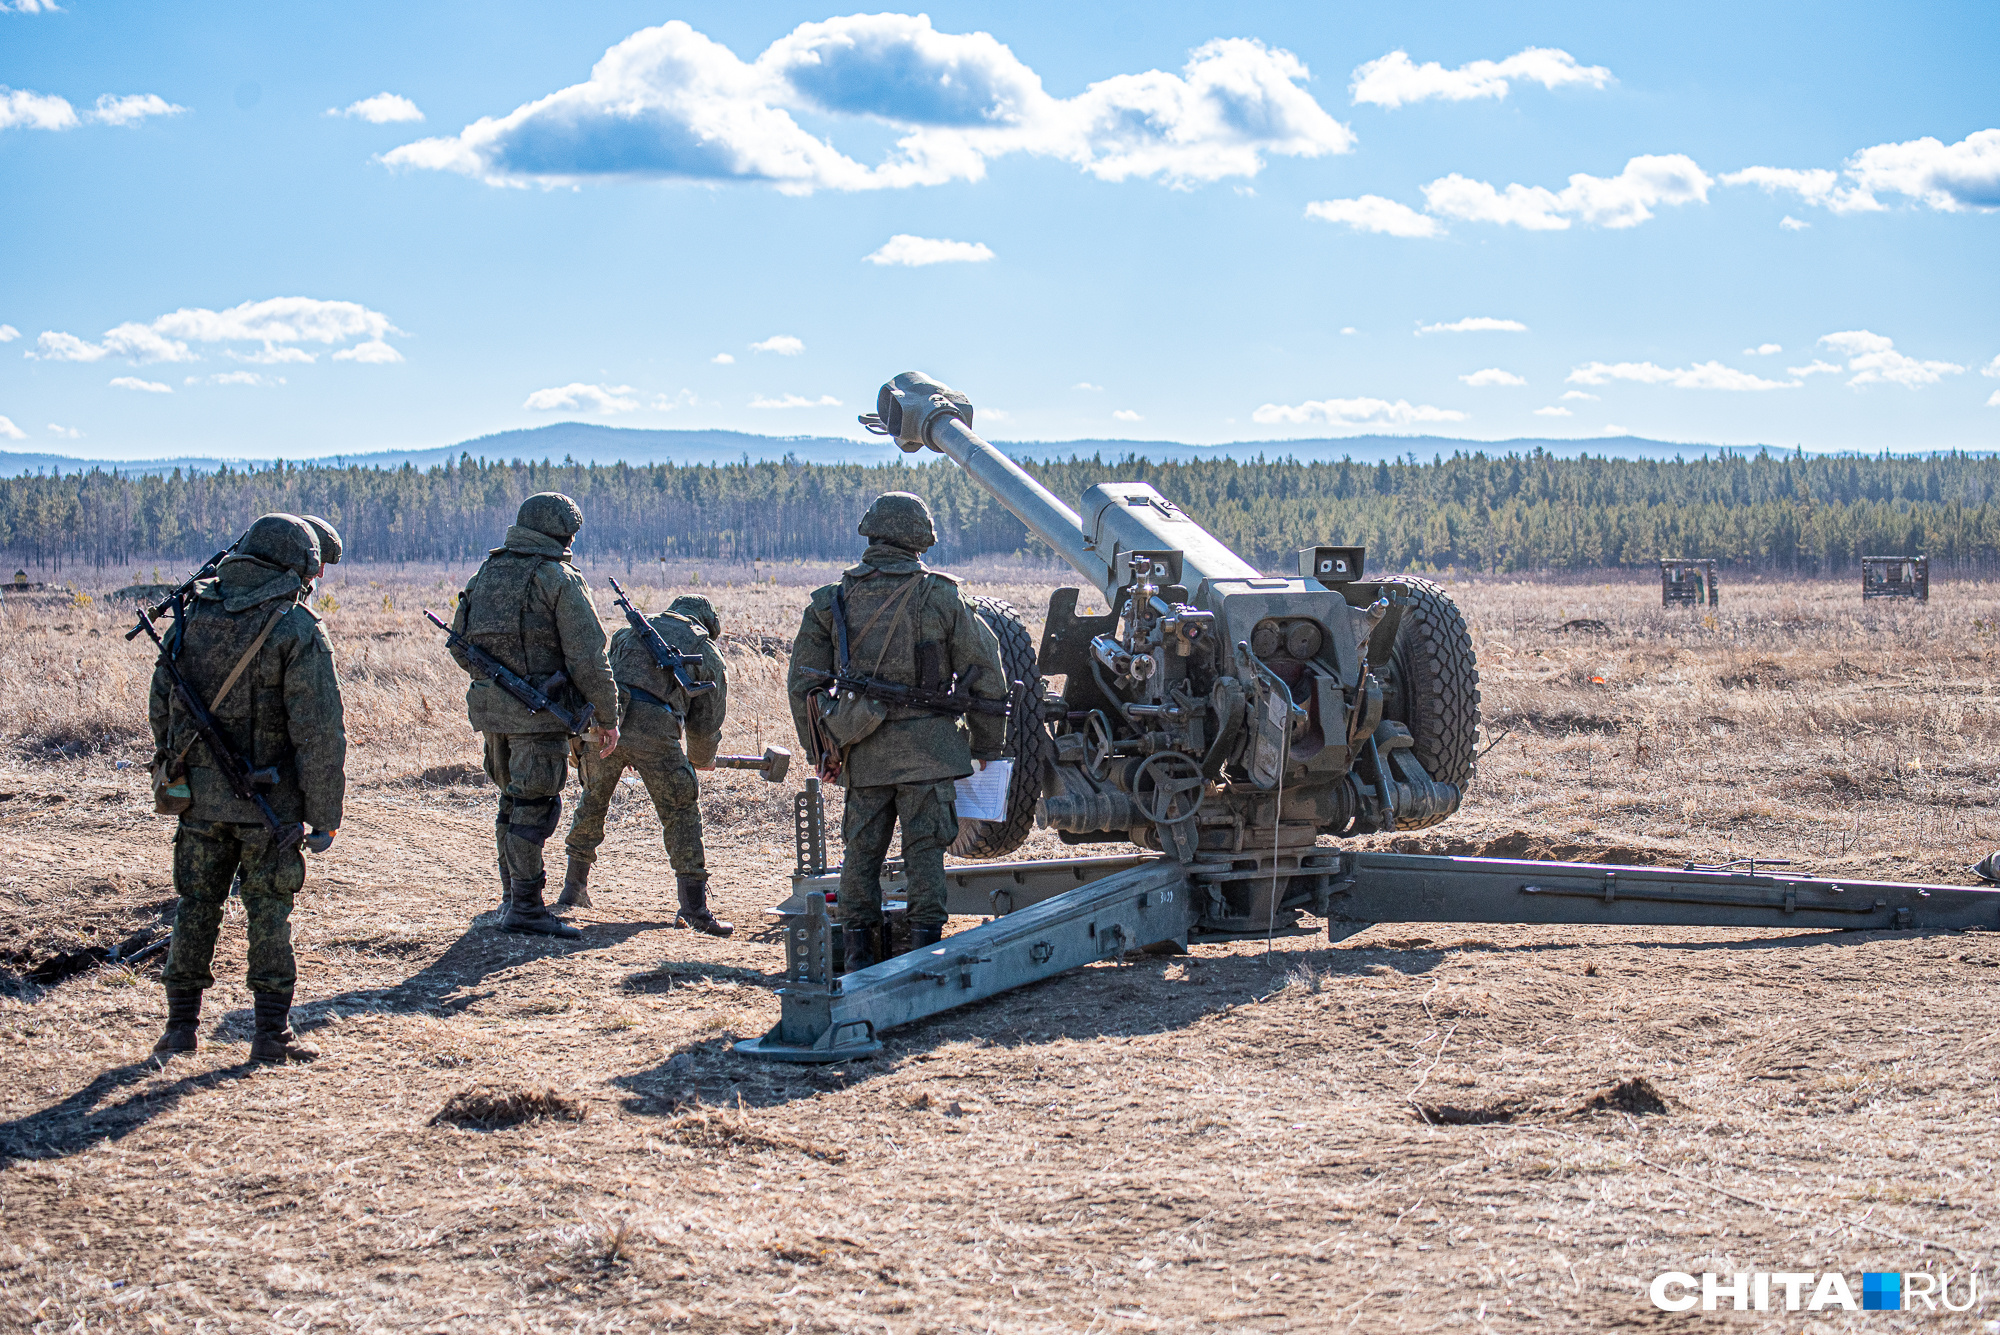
(1224, 1141)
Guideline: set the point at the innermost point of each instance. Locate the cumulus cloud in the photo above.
(916, 251)
(1993, 401)
(1763, 350)
(8, 333)
(795, 401)
(1085, 384)
(1620, 201)
(276, 324)
(10, 431)
(577, 397)
(723, 359)
(1814, 367)
(1373, 213)
(372, 353)
(663, 403)
(234, 378)
(1704, 375)
(381, 109)
(1127, 415)
(32, 7)
(1395, 79)
(1579, 394)
(1991, 368)
(1492, 375)
(143, 386)
(1790, 224)
(782, 344)
(1475, 324)
(669, 103)
(132, 108)
(1553, 411)
(21, 109)
(1874, 360)
(66, 432)
(271, 356)
(1947, 177)
(1353, 412)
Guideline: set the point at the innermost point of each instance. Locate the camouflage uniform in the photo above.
(285, 713)
(654, 710)
(530, 608)
(904, 770)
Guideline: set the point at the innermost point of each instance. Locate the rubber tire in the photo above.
(1438, 678)
(1028, 742)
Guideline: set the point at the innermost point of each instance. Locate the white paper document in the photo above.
(984, 795)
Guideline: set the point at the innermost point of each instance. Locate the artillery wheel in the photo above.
(1434, 686)
(1027, 742)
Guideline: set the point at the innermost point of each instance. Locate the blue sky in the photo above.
(230, 232)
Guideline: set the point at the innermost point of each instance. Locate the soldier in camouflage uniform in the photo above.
(906, 624)
(654, 709)
(529, 607)
(283, 711)
(329, 542)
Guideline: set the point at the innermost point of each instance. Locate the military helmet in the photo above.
(329, 539)
(551, 514)
(901, 518)
(700, 610)
(284, 541)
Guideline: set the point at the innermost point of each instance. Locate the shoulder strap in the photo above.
(236, 673)
(902, 602)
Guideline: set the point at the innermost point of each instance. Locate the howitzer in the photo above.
(1224, 721)
(670, 659)
(535, 698)
(248, 784)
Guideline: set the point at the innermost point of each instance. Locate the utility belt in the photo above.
(640, 693)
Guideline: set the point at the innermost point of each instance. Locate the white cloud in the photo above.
(1353, 412)
(1475, 324)
(276, 324)
(795, 401)
(66, 432)
(21, 109)
(372, 353)
(1579, 394)
(272, 355)
(10, 431)
(1395, 79)
(1492, 375)
(235, 378)
(916, 251)
(143, 386)
(1790, 224)
(723, 359)
(8, 333)
(663, 403)
(1814, 367)
(1612, 428)
(1085, 384)
(576, 397)
(1704, 375)
(381, 109)
(1763, 350)
(1620, 201)
(1127, 415)
(1553, 411)
(1991, 368)
(782, 344)
(1874, 360)
(1349, 329)
(669, 103)
(132, 108)
(32, 7)
(1373, 213)
(995, 415)
(1993, 401)
(1947, 177)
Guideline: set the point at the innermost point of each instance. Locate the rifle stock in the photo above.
(670, 659)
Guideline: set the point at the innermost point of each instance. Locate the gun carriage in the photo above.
(1223, 721)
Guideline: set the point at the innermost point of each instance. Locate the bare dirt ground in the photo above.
(1222, 1141)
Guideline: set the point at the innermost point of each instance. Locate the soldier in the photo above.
(257, 657)
(329, 542)
(529, 607)
(907, 624)
(653, 711)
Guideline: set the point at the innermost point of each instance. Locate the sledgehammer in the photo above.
(772, 764)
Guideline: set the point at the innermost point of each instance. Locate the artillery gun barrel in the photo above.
(1028, 500)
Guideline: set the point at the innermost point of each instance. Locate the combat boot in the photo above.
(274, 1040)
(527, 915)
(183, 1017)
(857, 948)
(923, 934)
(576, 886)
(694, 907)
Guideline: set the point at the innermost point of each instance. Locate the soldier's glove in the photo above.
(320, 840)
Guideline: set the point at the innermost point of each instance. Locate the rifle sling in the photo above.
(236, 673)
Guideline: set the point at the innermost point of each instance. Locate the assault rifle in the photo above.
(178, 598)
(670, 659)
(915, 697)
(520, 687)
(248, 784)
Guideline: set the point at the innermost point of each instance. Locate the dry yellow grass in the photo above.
(1215, 1142)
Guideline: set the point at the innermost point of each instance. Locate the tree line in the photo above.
(1768, 511)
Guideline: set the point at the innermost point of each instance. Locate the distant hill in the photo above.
(589, 443)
